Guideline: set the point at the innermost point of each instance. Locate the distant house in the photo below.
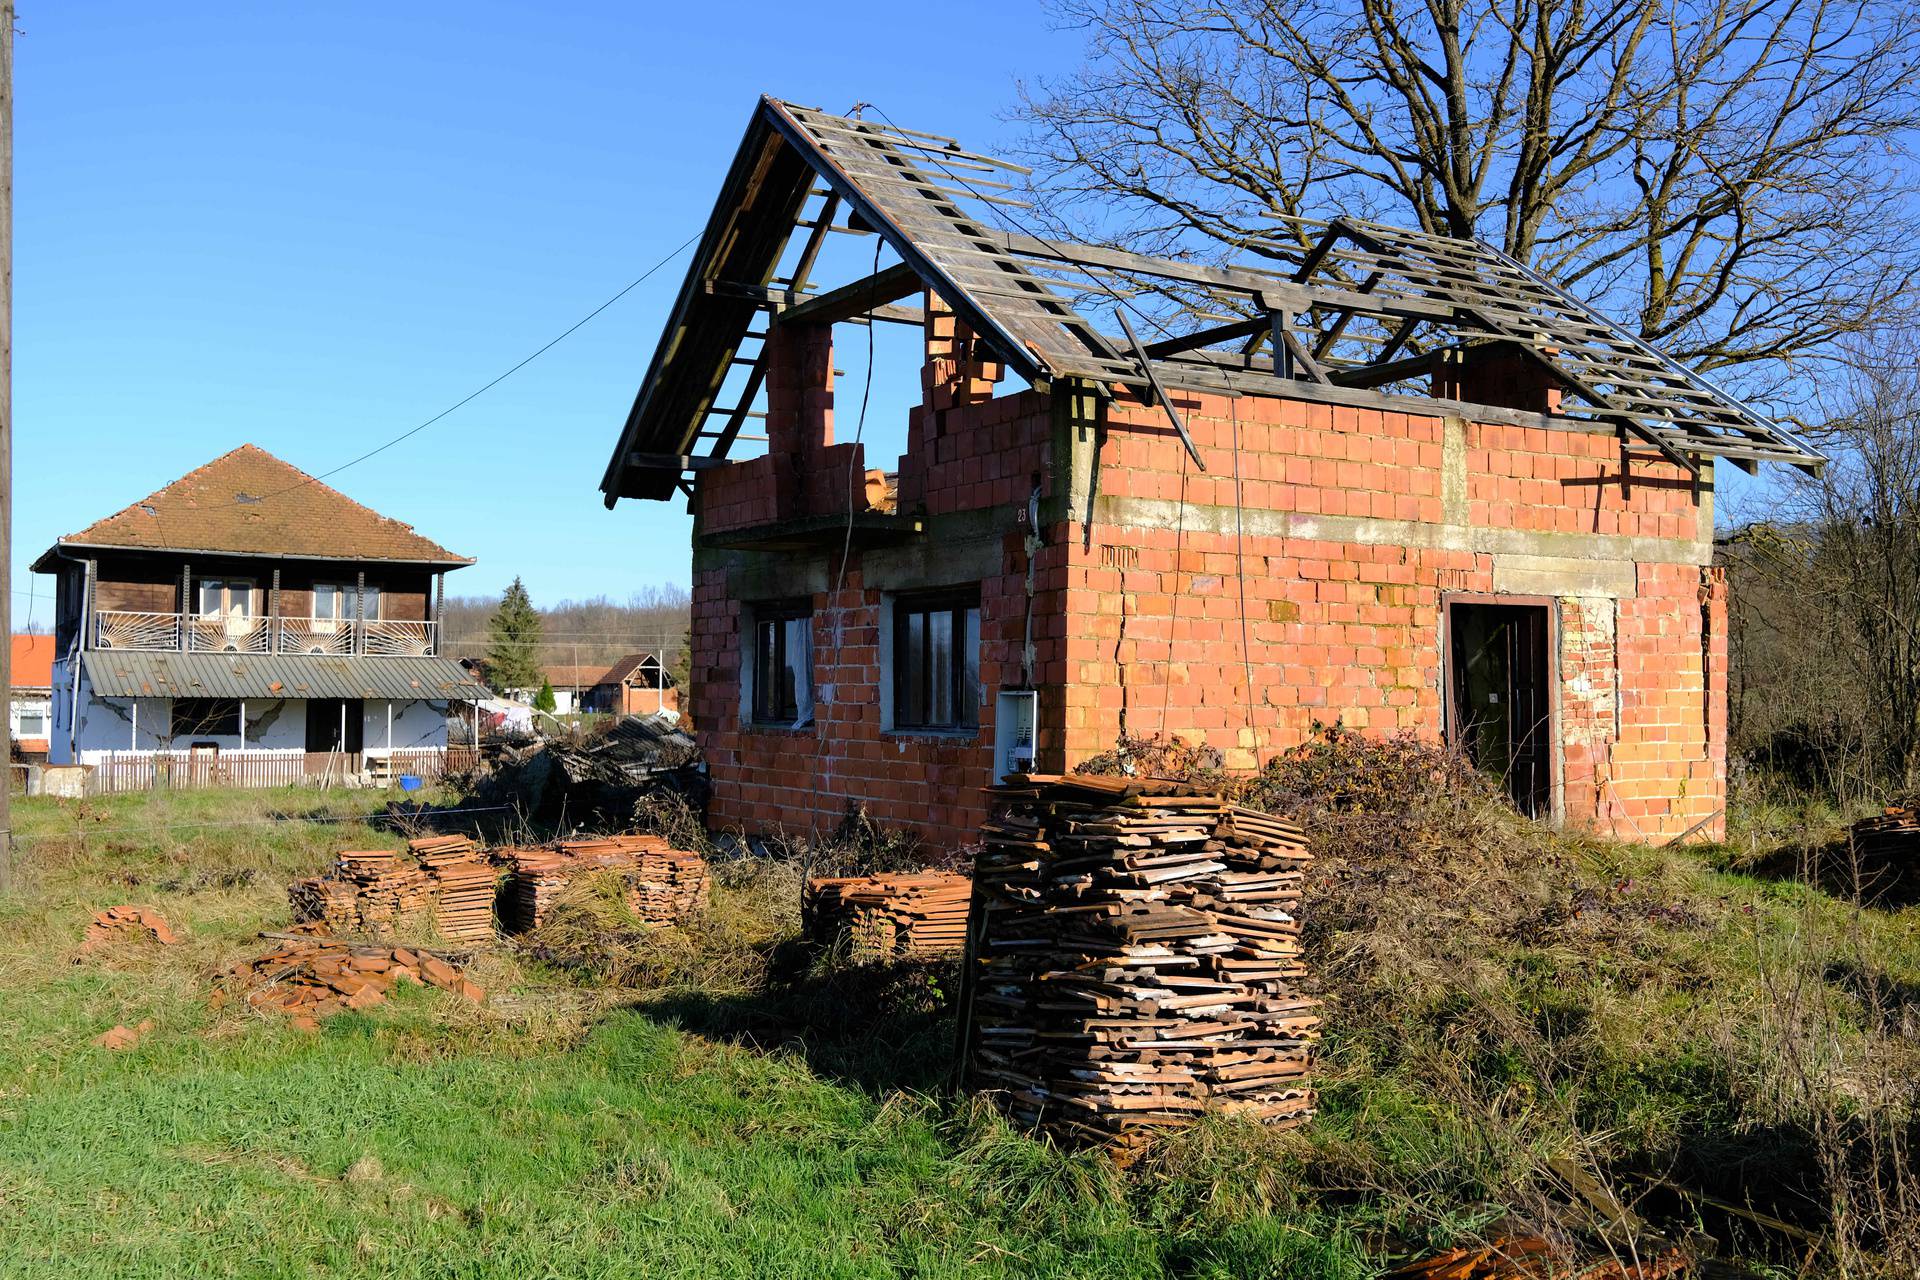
(31, 695)
(251, 615)
(570, 685)
(636, 685)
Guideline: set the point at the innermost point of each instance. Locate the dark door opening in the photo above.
(336, 724)
(1501, 689)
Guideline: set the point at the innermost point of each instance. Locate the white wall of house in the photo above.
(28, 715)
(413, 725)
(115, 726)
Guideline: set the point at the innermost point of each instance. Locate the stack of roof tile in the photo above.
(1886, 849)
(663, 884)
(389, 893)
(463, 886)
(888, 916)
(311, 979)
(1139, 960)
(326, 900)
(535, 878)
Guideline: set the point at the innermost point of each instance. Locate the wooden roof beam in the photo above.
(890, 284)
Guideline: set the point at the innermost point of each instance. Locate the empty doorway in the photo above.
(1500, 686)
(336, 724)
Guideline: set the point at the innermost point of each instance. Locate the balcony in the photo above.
(228, 633)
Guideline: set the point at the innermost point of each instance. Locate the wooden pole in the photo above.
(6, 431)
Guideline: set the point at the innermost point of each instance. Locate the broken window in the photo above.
(783, 663)
(206, 717)
(936, 661)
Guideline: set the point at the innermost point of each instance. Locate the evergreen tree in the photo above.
(513, 641)
(544, 700)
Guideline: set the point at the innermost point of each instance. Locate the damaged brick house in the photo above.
(1398, 481)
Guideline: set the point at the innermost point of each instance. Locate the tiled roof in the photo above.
(249, 502)
(32, 662)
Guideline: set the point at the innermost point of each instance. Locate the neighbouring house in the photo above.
(1378, 477)
(249, 623)
(30, 692)
(570, 682)
(637, 685)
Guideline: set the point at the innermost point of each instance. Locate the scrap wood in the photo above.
(1138, 960)
(122, 922)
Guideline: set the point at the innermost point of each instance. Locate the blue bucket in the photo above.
(409, 782)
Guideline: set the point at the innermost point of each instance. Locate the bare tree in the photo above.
(1843, 556)
(1729, 173)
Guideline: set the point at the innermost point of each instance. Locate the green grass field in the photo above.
(672, 1113)
(425, 1138)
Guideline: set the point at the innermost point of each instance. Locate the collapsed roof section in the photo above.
(1362, 316)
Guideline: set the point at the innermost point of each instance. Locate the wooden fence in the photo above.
(147, 771)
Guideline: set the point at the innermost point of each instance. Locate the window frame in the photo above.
(341, 595)
(772, 620)
(914, 711)
(222, 727)
(227, 587)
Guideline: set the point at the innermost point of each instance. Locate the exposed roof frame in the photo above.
(1364, 308)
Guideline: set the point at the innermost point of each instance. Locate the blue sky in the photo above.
(312, 227)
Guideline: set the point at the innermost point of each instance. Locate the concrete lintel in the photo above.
(1590, 577)
(1163, 513)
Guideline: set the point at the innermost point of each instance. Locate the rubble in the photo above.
(887, 916)
(116, 924)
(124, 1037)
(1139, 960)
(309, 979)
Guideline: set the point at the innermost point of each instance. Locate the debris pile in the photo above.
(597, 778)
(118, 923)
(663, 885)
(308, 979)
(463, 886)
(1139, 960)
(1886, 849)
(888, 916)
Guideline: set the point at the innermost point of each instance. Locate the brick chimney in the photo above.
(1496, 373)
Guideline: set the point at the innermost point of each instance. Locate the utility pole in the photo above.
(6, 434)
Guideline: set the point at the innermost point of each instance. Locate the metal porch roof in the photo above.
(137, 674)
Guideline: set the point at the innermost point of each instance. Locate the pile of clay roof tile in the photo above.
(889, 916)
(1138, 960)
(308, 979)
(389, 893)
(463, 886)
(116, 924)
(663, 884)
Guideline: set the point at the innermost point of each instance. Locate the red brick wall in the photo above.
(1137, 623)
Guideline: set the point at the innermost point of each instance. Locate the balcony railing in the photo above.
(226, 633)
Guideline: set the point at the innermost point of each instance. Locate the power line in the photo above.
(467, 399)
